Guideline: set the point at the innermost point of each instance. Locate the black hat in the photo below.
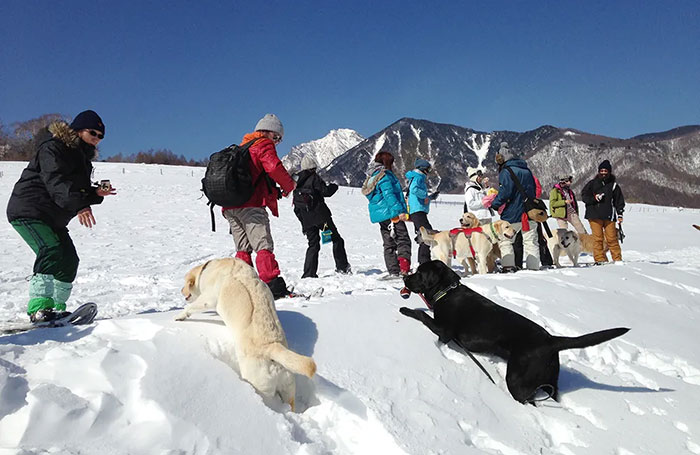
(88, 120)
(605, 165)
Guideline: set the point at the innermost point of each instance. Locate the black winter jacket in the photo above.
(309, 205)
(613, 202)
(55, 185)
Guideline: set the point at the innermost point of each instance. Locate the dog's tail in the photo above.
(296, 363)
(590, 339)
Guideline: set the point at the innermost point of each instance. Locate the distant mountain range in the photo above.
(656, 168)
(323, 150)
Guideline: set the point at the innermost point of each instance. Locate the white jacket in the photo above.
(472, 197)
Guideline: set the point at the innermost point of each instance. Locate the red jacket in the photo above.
(263, 158)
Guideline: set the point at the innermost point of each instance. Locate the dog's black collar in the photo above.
(443, 292)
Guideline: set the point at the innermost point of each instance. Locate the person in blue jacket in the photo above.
(514, 211)
(419, 203)
(388, 208)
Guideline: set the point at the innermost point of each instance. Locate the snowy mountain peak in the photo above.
(323, 150)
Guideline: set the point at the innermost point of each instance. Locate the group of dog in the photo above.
(245, 303)
(475, 247)
(460, 315)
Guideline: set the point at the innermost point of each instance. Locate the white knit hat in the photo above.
(270, 122)
(473, 173)
(307, 162)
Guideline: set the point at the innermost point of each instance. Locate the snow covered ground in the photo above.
(137, 382)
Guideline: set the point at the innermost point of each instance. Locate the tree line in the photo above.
(17, 143)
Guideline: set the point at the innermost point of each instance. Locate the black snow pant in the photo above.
(421, 219)
(396, 244)
(545, 255)
(313, 235)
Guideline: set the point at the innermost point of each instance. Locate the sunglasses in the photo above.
(96, 134)
(277, 138)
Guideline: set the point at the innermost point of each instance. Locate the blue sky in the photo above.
(195, 76)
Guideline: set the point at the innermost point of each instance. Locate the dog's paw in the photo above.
(407, 311)
(182, 316)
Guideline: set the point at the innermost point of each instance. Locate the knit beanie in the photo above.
(307, 162)
(270, 122)
(473, 173)
(88, 120)
(422, 164)
(504, 153)
(605, 165)
(565, 178)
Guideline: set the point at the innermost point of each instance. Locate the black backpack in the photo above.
(303, 199)
(227, 181)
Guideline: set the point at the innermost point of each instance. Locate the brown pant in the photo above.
(600, 228)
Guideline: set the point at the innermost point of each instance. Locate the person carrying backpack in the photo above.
(250, 225)
(315, 216)
(514, 211)
(387, 207)
(418, 204)
(474, 193)
(54, 188)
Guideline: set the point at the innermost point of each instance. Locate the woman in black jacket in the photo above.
(54, 188)
(315, 216)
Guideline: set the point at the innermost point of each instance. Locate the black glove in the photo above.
(434, 195)
(279, 192)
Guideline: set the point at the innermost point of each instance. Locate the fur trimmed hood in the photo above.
(375, 173)
(61, 131)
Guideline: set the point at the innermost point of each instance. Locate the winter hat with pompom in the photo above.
(504, 153)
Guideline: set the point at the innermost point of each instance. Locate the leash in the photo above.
(471, 356)
(440, 294)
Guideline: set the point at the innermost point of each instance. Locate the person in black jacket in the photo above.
(54, 188)
(315, 216)
(604, 205)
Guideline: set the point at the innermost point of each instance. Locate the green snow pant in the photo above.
(55, 266)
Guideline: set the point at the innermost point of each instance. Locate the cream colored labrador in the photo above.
(565, 242)
(245, 303)
(485, 243)
(444, 245)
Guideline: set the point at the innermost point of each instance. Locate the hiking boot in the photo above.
(509, 269)
(278, 287)
(47, 315)
(346, 271)
(600, 262)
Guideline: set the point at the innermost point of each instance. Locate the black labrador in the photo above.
(479, 325)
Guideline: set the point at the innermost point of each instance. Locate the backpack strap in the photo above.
(211, 212)
(517, 183)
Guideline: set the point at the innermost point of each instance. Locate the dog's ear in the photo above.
(498, 226)
(575, 235)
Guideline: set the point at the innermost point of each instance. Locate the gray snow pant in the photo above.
(250, 227)
(396, 245)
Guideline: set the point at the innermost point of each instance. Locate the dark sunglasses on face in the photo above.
(96, 134)
(277, 138)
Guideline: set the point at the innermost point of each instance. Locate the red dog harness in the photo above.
(468, 233)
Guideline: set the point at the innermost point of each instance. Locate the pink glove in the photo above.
(488, 199)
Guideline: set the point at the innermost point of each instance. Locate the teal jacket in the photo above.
(417, 192)
(384, 193)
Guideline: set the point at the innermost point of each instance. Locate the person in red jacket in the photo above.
(250, 225)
